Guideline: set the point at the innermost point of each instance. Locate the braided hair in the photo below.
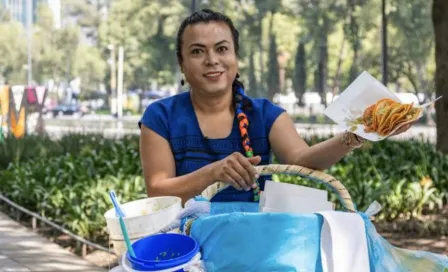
(242, 102)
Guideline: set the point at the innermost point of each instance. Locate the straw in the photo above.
(126, 237)
(120, 215)
(118, 210)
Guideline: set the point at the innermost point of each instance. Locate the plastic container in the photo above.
(118, 269)
(163, 251)
(143, 217)
(194, 265)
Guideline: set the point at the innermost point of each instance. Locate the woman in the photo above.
(215, 132)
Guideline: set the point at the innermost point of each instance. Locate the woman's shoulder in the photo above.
(167, 106)
(261, 101)
(266, 110)
(162, 111)
(170, 102)
(266, 106)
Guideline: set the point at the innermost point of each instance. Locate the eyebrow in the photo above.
(201, 45)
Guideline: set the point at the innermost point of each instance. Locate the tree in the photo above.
(162, 54)
(253, 86)
(321, 18)
(414, 28)
(55, 49)
(87, 14)
(322, 67)
(13, 53)
(353, 33)
(264, 8)
(89, 67)
(299, 79)
(273, 72)
(384, 44)
(46, 56)
(440, 22)
(146, 30)
(60, 56)
(250, 32)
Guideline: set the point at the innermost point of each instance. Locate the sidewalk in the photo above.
(22, 250)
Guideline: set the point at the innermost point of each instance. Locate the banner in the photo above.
(4, 103)
(1, 129)
(17, 94)
(40, 92)
(18, 124)
(31, 95)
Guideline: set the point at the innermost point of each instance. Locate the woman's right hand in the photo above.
(237, 171)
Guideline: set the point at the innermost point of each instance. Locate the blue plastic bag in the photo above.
(235, 237)
(386, 257)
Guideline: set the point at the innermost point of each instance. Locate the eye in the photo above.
(222, 49)
(196, 51)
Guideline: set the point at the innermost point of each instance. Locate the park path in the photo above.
(22, 250)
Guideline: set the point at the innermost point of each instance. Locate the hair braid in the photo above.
(243, 124)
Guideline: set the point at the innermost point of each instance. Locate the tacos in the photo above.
(386, 115)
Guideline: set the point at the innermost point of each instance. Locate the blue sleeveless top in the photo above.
(174, 119)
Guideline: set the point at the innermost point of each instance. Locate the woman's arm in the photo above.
(290, 148)
(159, 170)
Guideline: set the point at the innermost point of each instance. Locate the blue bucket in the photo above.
(163, 251)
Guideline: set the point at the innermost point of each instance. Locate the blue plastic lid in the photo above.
(163, 251)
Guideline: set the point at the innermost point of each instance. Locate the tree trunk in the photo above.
(384, 55)
(261, 51)
(421, 78)
(335, 89)
(440, 22)
(253, 89)
(322, 67)
(273, 68)
(299, 79)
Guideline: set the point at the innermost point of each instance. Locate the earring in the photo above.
(182, 82)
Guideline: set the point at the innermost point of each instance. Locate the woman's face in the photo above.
(209, 60)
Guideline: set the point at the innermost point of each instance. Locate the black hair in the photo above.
(205, 16)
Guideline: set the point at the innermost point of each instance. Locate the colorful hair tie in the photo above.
(243, 123)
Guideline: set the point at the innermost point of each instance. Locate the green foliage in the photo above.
(68, 180)
(340, 37)
(42, 147)
(70, 183)
(405, 177)
(13, 52)
(57, 53)
(411, 25)
(147, 31)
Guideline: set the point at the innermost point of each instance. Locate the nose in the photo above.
(211, 58)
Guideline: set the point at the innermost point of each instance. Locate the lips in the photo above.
(213, 75)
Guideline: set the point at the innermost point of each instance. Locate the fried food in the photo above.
(386, 115)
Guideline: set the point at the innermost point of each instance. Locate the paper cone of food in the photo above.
(370, 110)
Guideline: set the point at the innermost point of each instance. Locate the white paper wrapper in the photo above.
(292, 198)
(361, 93)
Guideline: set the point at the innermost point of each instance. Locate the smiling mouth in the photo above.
(213, 74)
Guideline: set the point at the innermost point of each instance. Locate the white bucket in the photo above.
(190, 266)
(143, 217)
